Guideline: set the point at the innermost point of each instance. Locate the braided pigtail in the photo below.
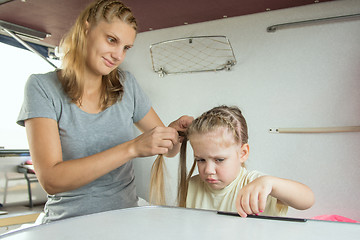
(184, 177)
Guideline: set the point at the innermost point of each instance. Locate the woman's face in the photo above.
(218, 157)
(107, 44)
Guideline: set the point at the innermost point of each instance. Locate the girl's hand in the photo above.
(159, 140)
(251, 199)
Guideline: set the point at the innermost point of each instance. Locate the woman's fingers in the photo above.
(166, 136)
(182, 123)
(159, 140)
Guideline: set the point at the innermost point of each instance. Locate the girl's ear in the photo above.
(244, 152)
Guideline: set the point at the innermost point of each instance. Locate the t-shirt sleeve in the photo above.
(142, 102)
(37, 101)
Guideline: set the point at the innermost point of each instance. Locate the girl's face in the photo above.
(107, 44)
(218, 157)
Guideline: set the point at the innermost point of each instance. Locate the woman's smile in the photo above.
(108, 63)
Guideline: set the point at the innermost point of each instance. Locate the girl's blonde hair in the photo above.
(157, 182)
(73, 48)
(230, 118)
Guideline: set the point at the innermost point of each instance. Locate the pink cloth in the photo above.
(335, 218)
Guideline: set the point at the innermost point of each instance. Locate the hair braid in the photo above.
(94, 10)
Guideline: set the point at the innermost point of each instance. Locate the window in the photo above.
(16, 66)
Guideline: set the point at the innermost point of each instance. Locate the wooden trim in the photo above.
(15, 220)
(316, 130)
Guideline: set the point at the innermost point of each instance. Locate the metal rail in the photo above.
(273, 28)
(27, 46)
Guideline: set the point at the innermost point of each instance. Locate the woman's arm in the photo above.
(252, 198)
(56, 175)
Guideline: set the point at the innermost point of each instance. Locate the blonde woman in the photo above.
(79, 119)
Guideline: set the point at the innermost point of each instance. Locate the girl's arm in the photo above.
(252, 198)
(56, 175)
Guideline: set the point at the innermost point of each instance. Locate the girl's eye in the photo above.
(126, 48)
(199, 160)
(220, 159)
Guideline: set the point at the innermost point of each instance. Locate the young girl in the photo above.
(219, 139)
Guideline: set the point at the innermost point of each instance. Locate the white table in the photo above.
(177, 223)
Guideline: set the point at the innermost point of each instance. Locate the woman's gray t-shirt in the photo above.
(83, 134)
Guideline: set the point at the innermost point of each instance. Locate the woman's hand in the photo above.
(181, 124)
(251, 199)
(159, 140)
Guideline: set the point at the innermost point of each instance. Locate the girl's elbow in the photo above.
(308, 202)
(311, 201)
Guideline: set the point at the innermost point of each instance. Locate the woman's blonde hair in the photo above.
(73, 48)
(230, 118)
